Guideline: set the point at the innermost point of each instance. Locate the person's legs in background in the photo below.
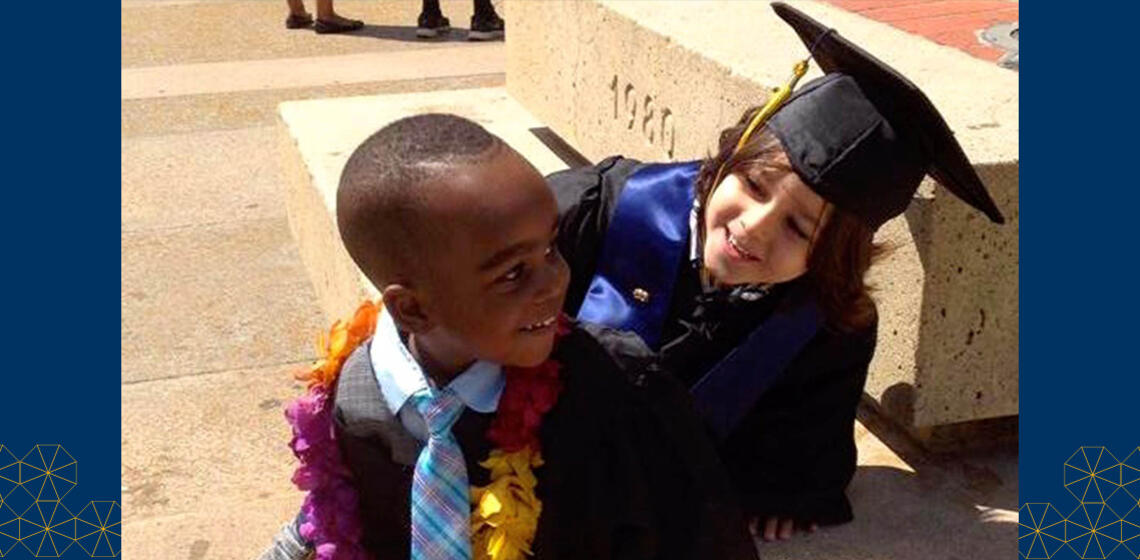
(328, 21)
(431, 22)
(486, 25)
(298, 17)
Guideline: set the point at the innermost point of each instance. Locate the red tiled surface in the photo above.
(954, 23)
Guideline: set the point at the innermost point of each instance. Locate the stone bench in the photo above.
(658, 81)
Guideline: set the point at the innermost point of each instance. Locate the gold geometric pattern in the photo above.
(32, 513)
(1041, 531)
(1105, 524)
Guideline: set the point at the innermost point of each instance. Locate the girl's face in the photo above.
(759, 224)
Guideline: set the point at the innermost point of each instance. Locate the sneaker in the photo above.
(432, 25)
(486, 28)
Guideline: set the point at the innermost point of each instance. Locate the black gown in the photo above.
(793, 454)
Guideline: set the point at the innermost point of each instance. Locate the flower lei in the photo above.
(330, 505)
(505, 512)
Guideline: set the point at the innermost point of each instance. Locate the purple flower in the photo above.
(330, 506)
(326, 551)
(308, 530)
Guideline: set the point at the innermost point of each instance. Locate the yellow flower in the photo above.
(518, 463)
(506, 512)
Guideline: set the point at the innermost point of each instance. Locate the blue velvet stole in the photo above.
(647, 240)
(732, 387)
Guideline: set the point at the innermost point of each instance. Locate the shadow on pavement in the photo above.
(407, 33)
(902, 514)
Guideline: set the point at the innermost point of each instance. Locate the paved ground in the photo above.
(954, 23)
(217, 311)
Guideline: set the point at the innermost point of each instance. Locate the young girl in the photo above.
(746, 271)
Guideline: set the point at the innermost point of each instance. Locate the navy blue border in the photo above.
(60, 193)
(1080, 208)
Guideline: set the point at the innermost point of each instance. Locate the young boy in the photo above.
(457, 231)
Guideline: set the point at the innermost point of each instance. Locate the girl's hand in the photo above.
(776, 528)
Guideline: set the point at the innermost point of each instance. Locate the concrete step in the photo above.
(235, 110)
(284, 73)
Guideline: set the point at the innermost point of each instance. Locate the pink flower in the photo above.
(326, 551)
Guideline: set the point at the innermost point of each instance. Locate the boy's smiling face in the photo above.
(495, 280)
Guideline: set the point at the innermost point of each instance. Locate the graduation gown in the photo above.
(793, 452)
(625, 476)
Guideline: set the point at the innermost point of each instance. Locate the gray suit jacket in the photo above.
(382, 454)
(361, 410)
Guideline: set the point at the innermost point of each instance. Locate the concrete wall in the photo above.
(659, 80)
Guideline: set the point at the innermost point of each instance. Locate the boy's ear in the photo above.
(406, 308)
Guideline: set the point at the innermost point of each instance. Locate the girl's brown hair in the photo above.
(840, 253)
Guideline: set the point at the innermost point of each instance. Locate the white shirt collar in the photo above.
(694, 250)
(400, 376)
(696, 259)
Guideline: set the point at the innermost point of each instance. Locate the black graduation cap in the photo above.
(863, 136)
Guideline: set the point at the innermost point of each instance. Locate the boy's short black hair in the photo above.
(381, 199)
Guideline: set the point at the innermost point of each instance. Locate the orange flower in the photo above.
(342, 339)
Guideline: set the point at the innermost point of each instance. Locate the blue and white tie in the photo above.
(441, 506)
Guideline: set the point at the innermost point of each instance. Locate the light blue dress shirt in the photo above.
(400, 376)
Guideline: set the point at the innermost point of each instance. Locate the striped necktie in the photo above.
(441, 506)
